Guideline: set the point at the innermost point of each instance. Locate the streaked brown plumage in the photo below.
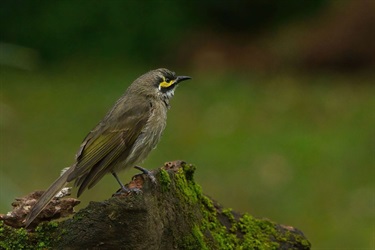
(124, 138)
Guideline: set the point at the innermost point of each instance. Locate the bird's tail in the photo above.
(47, 196)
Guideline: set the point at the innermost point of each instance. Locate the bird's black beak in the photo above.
(182, 78)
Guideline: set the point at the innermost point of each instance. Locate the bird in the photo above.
(122, 139)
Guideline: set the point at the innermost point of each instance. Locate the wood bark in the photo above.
(172, 213)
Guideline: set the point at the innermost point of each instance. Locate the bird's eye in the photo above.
(165, 82)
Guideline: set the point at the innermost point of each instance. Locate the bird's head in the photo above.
(159, 82)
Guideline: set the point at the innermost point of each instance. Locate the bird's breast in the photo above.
(155, 124)
(149, 137)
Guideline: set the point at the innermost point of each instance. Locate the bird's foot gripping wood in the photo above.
(124, 189)
(149, 174)
(136, 185)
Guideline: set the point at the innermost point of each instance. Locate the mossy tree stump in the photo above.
(172, 213)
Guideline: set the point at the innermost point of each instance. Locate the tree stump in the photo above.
(172, 213)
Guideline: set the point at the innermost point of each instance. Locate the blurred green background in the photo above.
(279, 118)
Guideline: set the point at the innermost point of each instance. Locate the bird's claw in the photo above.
(148, 173)
(125, 190)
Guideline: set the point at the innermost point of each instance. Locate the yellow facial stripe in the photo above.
(165, 84)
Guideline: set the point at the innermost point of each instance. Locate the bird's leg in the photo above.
(147, 172)
(123, 188)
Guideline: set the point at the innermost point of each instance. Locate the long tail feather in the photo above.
(47, 196)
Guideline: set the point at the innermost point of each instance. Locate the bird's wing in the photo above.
(109, 140)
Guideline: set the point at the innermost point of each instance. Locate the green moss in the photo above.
(195, 240)
(209, 234)
(257, 233)
(228, 213)
(189, 190)
(207, 204)
(218, 237)
(243, 233)
(165, 180)
(305, 243)
(44, 237)
(11, 238)
(189, 170)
